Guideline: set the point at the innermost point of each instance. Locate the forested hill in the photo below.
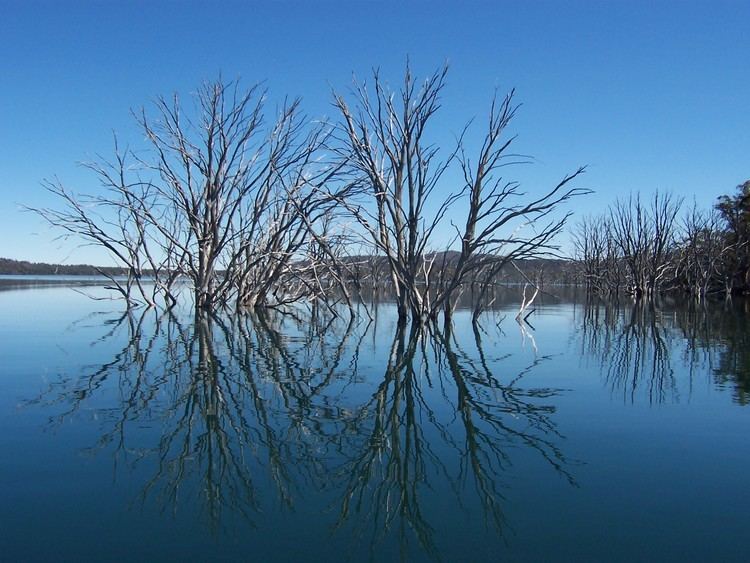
(21, 267)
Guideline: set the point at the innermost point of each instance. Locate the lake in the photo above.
(601, 431)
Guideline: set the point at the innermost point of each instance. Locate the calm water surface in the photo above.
(604, 432)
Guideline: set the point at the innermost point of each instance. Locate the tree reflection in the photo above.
(230, 413)
(226, 401)
(387, 453)
(718, 336)
(438, 405)
(631, 345)
(655, 348)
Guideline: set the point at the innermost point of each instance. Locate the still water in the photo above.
(602, 432)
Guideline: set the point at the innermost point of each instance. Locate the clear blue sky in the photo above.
(647, 94)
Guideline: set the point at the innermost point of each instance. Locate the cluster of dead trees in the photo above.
(261, 210)
(642, 247)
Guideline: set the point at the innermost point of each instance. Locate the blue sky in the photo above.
(649, 95)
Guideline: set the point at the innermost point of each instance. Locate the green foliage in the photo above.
(735, 212)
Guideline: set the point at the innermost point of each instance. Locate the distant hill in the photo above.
(21, 267)
(543, 270)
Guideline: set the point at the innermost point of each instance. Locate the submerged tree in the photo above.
(643, 247)
(597, 255)
(383, 136)
(221, 197)
(644, 233)
(701, 257)
(256, 210)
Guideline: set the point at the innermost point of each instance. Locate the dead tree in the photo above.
(219, 197)
(208, 171)
(645, 235)
(498, 221)
(596, 255)
(383, 142)
(701, 252)
(115, 219)
(383, 139)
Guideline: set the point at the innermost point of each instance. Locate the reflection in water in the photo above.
(229, 399)
(654, 349)
(403, 444)
(718, 335)
(632, 347)
(232, 413)
(305, 437)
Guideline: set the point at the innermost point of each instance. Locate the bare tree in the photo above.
(497, 221)
(240, 188)
(701, 252)
(384, 144)
(598, 255)
(219, 197)
(384, 141)
(115, 219)
(248, 209)
(645, 236)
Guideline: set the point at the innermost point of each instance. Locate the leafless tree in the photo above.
(248, 208)
(498, 220)
(702, 248)
(645, 236)
(116, 218)
(383, 141)
(220, 196)
(598, 255)
(248, 195)
(383, 137)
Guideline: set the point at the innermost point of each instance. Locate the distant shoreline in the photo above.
(556, 270)
(9, 267)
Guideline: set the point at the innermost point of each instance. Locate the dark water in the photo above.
(604, 432)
